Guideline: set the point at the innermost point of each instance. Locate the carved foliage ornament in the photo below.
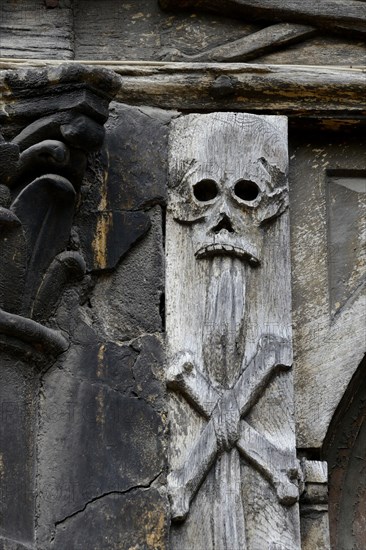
(41, 170)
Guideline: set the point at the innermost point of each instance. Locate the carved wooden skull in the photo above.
(228, 180)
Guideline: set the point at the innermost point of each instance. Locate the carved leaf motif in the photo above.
(45, 157)
(66, 268)
(26, 330)
(9, 156)
(45, 208)
(13, 261)
(77, 130)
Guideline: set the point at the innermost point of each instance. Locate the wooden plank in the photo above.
(254, 45)
(330, 14)
(30, 29)
(286, 90)
(229, 335)
(306, 91)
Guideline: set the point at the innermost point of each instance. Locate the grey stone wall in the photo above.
(102, 437)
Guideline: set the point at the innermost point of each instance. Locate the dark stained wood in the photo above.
(36, 217)
(291, 90)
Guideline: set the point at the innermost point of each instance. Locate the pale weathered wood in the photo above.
(288, 89)
(314, 506)
(233, 467)
(331, 14)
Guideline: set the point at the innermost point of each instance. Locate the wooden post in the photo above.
(233, 467)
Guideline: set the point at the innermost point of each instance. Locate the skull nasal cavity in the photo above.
(224, 223)
(246, 190)
(205, 190)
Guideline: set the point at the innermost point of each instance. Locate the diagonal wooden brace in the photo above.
(273, 355)
(265, 457)
(183, 483)
(183, 376)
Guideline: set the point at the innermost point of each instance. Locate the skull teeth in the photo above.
(226, 249)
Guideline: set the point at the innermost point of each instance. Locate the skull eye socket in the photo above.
(205, 190)
(246, 190)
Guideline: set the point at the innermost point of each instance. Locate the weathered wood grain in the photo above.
(314, 507)
(297, 90)
(328, 262)
(330, 14)
(232, 456)
(292, 90)
(320, 50)
(30, 30)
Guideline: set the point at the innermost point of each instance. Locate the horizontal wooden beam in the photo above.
(338, 15)
(305, 91)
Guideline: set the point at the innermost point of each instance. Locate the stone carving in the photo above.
(36, 216)
(41, 169)
(229, 340)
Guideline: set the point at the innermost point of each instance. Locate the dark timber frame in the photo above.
(295, 91)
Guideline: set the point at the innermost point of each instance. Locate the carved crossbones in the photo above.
(226, 428)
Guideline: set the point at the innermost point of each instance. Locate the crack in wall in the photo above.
(99, 497)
